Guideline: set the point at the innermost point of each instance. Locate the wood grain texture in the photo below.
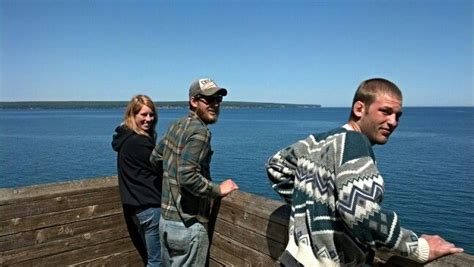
(80, 223)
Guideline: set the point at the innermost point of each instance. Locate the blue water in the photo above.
(428, 164)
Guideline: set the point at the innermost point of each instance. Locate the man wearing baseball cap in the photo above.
(185, 153)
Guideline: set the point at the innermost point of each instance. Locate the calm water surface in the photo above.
(427, 164)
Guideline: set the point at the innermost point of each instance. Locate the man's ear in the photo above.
(358, 109)
(193, 102)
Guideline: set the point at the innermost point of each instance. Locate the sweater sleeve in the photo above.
(360, 189)
(195, 151)
(281, 170)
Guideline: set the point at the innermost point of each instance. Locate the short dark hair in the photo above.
(369, 89)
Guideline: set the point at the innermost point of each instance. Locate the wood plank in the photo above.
(125, 258)
(254, 258)
(44, 235)
(69, 246)
(454, 260)
(24, 208)
(12, 195)
(214, 263)
(82, 254)
(460, 259)
(259, 223)
(252, 240)
(277, 210)
(223, 258)
(57, 218)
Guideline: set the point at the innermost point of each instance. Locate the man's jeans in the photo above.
(183, 246)
(149, 220)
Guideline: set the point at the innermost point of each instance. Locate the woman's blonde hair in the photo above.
(133, 108)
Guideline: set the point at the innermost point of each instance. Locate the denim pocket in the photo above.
(177, 239)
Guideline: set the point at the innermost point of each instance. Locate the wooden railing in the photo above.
(80, 223)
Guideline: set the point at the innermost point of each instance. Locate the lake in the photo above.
(427, 165)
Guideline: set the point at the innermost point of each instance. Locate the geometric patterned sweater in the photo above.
(335, 191)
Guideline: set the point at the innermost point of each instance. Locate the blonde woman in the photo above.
(139, 183)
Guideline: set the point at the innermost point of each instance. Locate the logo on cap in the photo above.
(206, 84)
(206, 87)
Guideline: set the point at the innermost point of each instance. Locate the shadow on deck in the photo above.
(80, 223)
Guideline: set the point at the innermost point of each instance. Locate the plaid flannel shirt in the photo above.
(185, 154)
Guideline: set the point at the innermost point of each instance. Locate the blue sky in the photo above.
(311, 52)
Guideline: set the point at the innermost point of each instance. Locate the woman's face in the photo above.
(145, 118)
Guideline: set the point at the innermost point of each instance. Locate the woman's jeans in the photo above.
(149, 225)
(183, 246)
(143, 228)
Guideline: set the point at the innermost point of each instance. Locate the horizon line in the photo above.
(233, 101)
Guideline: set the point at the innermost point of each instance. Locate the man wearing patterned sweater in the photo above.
(335, 190)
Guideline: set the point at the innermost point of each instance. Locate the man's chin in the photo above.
(209, 119)
(382, 141)
(212, 121)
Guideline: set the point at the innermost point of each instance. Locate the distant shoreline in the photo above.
(123, 104)
(45, 105)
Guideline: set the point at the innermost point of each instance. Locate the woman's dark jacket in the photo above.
(139, 182)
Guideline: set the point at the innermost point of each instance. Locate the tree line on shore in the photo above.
(122, 104)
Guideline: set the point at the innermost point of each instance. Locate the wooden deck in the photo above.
(80, 223)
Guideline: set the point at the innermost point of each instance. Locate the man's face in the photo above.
(207, 107)
(380, 119)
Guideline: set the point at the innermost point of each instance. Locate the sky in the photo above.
(304, 52)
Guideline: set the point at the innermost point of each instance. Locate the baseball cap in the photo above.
(205, 87)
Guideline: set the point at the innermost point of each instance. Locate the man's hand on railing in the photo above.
(227, 187)
(440, 247)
